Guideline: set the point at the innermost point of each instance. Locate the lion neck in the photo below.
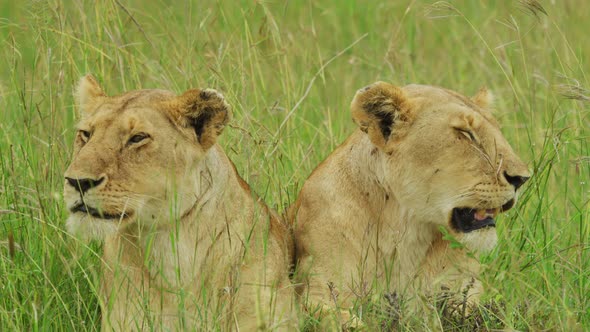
(400, 237)
(185, 245)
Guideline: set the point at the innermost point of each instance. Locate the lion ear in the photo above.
(379, 109)
(87, 93)
(483, 98)
(206, 111)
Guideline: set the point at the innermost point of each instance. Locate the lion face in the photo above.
(135, 156)
(446, 160)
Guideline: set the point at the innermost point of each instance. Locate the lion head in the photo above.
(446, 162)
(134, 153)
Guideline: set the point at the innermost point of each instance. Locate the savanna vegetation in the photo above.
(290, 69)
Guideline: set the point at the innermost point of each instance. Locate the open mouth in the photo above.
(96, 212)
(471, 219)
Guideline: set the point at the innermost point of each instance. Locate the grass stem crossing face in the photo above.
(134, 153)
(176, 220)
(423, 158)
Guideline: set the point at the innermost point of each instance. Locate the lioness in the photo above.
(424, 159)
(186, 244)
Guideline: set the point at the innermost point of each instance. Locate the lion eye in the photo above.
(467, 133)
(137, 138)
(85, 135)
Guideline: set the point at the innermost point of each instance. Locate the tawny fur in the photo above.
(195, 250)
(369, 216)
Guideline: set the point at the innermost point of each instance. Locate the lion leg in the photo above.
(330, 305)
(265, 306)
(453, 272)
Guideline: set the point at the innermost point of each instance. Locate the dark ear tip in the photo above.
(378, 91)
(206, 94)
(379, 96)
(215, 98)
(196, 101)
(379, 85)
(364, 89)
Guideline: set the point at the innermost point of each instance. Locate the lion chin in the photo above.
(88, 227)
(481, 241)
(476, 228)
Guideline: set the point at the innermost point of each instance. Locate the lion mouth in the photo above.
(96, 213)
(471, 219)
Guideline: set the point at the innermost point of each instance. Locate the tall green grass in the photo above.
(290, 70)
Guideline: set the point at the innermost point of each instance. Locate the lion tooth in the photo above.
(480, 214)
(494, 212)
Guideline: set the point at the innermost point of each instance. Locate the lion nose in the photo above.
(82, 185)
(516, 180)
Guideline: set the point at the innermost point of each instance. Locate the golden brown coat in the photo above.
(186, 243)
(369, 216)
